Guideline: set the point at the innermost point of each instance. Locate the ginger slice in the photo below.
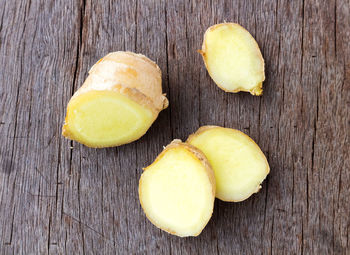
(118, 102)
(233, 58)
(239, 164)
(177, 191)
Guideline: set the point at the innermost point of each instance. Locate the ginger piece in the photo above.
(233, 58)
(239, 164)
(177, 191)
(118, 102)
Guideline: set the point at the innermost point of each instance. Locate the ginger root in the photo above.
(239, 164)
(233, 58)
(177, 191)
(118, 102)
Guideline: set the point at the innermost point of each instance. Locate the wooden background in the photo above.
(60, 197)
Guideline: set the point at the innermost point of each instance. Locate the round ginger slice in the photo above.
(238, 163)
(233, 58)
(177, 191)
(118, 102)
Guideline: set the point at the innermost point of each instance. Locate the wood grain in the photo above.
(59, 197)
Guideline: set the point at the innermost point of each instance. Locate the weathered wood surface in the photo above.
(60, 197)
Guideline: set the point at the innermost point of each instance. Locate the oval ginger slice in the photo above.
(233, 58)
(238, 163)
(177, 190)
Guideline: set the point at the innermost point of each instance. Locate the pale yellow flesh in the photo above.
(233, 58)
(176, 193)
(106, 118)
(238, 163)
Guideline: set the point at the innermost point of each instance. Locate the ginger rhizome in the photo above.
(177, 190)
(233, 58)
(118, 102)
(238, 163)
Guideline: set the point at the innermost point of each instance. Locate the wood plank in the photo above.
(184, 36)
(93, 223)
(39, 50)
(324, 45)
(108, 213)
(340, 114)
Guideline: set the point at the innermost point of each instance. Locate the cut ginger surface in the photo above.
(118, 102)
(177, 190)
(233, 58)
(238, 163)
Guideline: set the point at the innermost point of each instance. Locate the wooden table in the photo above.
(60, 197)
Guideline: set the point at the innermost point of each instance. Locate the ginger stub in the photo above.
(238, 163)
(233, 58)
(177, 191)
(118, 102)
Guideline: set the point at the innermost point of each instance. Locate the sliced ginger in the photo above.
(177, 190)
(233, 58)
(239, 164)
(118, 102)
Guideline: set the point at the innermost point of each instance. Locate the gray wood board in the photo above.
(59, 197)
